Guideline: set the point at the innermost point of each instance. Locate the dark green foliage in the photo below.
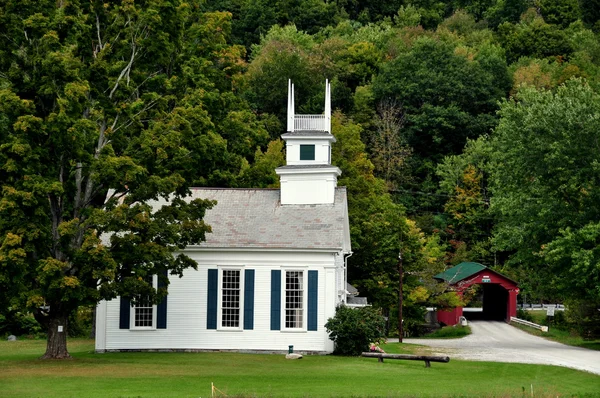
(560, 12)
(81, 322)
(590, 11)
(18, 324)
(368, 10)
(477, 8)
(506, 11)
(353, 329)
(584, 317)
(447, 97)
(536, 39)
(432, 11)
(254, 18)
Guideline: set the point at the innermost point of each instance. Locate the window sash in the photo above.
(230, 299)
(294, 300)
(143, 313)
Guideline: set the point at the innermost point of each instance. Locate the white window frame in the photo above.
(220, 326)
(133, 311)
(304, 299)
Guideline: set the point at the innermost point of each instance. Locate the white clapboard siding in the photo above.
(187, 304)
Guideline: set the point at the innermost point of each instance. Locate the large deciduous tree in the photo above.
(102, 97)
(544, 178)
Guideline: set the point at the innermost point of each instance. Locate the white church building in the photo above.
(271, 272)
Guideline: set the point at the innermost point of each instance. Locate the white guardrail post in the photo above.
(530, 324)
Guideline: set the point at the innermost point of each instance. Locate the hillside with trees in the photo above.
(466, 130)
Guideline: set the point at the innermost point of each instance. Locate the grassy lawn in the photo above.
(449, 332)
(559, 335)
(247, 375)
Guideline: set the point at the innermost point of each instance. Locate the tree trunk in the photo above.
(56, 347)
(400, 297)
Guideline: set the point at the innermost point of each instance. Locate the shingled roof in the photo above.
(255, 218)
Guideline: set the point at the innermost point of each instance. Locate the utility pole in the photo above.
(400, 293)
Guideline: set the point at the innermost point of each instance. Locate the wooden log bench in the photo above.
(427, 358)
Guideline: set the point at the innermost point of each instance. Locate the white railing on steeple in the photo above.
(309, 122)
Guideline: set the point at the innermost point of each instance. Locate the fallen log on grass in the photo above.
(426, 358)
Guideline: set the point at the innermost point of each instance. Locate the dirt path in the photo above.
(500, 342)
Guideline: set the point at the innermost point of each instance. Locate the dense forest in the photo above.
(466, 131)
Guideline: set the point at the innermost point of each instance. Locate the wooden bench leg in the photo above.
(380, 359)
(427, 364)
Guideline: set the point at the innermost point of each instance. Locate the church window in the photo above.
(294, 299)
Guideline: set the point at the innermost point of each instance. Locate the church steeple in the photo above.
(308, 177)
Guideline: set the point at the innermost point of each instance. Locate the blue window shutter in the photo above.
(275, 299)
(213, 290)
(124, 313)
(161, 308)
(249, 299)
(313, 293)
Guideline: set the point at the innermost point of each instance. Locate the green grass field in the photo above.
(556, 334)
(247, 375)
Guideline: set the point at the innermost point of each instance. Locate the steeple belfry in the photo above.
(308, 122)
(308, 177)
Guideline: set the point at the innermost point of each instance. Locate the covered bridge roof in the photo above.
(463, 271)
(460, 272)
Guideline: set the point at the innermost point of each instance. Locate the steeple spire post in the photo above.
(290, 107)
(328, 106)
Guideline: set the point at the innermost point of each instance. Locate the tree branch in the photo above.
(126, 69)
(132, 119)
(98, 31)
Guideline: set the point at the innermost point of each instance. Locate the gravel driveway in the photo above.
(500, 342)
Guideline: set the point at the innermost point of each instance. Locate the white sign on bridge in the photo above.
(550, 311)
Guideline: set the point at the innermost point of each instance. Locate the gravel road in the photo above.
(500, 342)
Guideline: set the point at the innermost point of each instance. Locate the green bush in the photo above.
(353, 329)
(19, 324)
(524, 315)
(583, 316)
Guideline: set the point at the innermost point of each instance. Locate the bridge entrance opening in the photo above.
(495, 300)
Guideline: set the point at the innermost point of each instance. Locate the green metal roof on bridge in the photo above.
(460, 272)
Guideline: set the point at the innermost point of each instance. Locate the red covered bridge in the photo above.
(499, 292)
